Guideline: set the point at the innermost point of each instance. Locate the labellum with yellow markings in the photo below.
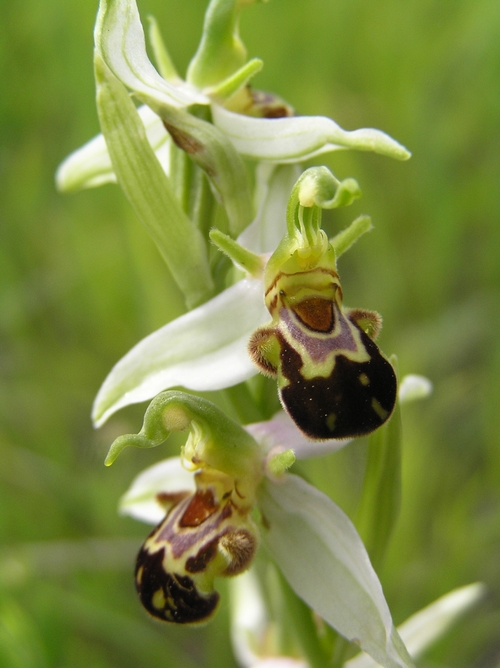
(205, 534)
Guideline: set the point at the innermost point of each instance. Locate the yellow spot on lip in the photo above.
(330, 421)
(139, 575)
(381, 412)
(158, 599)
(363, 379)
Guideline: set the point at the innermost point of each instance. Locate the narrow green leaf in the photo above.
(148, 189)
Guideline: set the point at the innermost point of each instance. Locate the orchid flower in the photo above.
(210, 531)
(186, 134)
(207, 348)
(211, 121)
(217, 79)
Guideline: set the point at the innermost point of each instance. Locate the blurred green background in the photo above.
(81, 282)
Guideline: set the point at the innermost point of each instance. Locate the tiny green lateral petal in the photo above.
(148, 190)
(278, 463)
(250, 262)
(221, 51)
(165, 65)
(216, 440)
(231, 85)
(342, 241)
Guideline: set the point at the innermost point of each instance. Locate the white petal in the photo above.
(299, 137)
(414, 387)
(205, 349)
(139, 500)
(119, 37)
(429, 624)
(90, 165)
(281, 430)
(322, 556)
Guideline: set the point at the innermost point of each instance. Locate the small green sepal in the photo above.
(215, 441)
(244, 259)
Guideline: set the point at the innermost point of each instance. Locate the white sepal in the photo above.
(323, 558)
(90, 165)
(119, 36)
(423, 628)
(205, 349)
(299, 137)
(274, 183)
(140, 500)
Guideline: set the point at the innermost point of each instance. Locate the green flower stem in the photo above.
(148, 189)
(381, 496)
(202, 206)
(305, 630)
(181, 169)
(192, 190)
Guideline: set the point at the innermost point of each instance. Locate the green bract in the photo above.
(148, 189)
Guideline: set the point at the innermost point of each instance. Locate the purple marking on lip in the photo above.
(181, 539)
(318, 347)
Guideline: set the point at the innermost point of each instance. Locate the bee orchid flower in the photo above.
(207, 348)
(211, 528)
